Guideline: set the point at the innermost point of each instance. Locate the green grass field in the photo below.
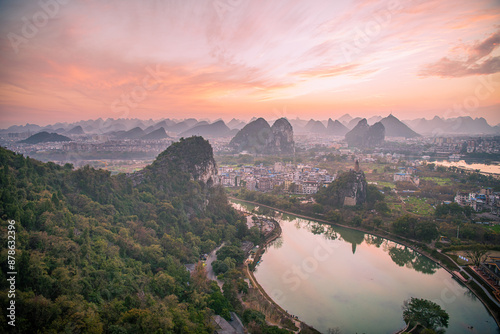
(495, 228)
(394, 206)
(419, 206)
(437, 180)
(385, 184)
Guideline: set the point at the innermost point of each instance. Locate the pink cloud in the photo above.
(327, 71)
(478, 61)
(256, 54)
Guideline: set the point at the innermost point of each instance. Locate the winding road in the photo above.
(210, 271)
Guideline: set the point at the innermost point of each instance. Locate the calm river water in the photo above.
(332, 277)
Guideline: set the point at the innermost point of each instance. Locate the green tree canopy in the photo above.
(424, 312)
(231, 251)
(477, 254)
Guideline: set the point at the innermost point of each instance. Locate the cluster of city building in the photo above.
(485, 199)
(466, 145)
(491, 268)
(95, 143)
(27, 149)
(296, 179)
(126, 145)
(407, 174)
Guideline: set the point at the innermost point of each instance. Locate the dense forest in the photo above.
(97, 253)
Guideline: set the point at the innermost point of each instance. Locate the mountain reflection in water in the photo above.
(402, 255)
(334, 277)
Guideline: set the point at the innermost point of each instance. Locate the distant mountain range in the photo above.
(236, 124)
(458, 125)
(137, 129)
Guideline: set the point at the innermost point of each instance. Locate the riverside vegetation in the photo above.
(393, 214)
(417, 214)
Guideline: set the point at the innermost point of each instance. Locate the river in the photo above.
(490, 169)
(338, 278)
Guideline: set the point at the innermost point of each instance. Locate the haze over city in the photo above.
(72, 60)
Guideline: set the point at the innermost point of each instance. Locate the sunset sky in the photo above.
(67, 60)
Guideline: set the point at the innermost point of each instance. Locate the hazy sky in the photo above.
(66, 60)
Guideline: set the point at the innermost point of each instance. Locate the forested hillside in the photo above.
(100, 253)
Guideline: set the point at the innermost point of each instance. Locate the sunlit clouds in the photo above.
(473, 59)
(70, 60)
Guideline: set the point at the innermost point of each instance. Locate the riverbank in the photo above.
(301, 327)
(275, 234)
(430, 252)
(249, 265)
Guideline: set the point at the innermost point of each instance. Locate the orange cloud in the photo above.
(477, 61)
(327, 71)
(253, 57)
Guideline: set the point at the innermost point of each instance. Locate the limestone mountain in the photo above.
(156, 135)
(77, 130)
(24, 128)
(298, 124)
(353, 122)
(165, 124)
(253, 137)
(363, 135)
(259, 138)
(216, 129)
(54, 129)
(348, 189)
(134, 133)
(345, 119)
(236, 124)
(374, 119)
(188, 159)
(315, 127)
(282, 137)
(395, 128)
(336, 128)
(45, 137)
(181, 126)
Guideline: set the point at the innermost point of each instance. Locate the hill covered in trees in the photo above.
(45, 137)
(97, 253)
(349, 189)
